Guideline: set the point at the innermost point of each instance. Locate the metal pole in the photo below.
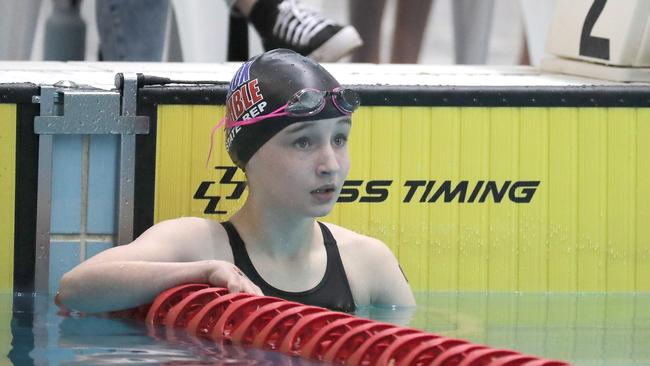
(44, 196)
(127, 162)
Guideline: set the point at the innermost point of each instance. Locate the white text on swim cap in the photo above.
(255, 111)
(231, 136)
(243, 99)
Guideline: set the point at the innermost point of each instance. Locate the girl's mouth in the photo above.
(323, 190)
(324, 194)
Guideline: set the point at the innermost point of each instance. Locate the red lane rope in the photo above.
(313, 332)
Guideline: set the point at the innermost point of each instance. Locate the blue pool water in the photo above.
(585, 329)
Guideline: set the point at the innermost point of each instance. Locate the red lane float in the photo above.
(180, 314)
(273, 333)
(397, 350)
(373, 347)
(256, 321)
(432, 352)
(306, 328)
(456, 353)
(237, 312)
(481, 357)
(345, 346)
(316, 333)
(167, 299)
(513, 360)
(323, 340)
(202, 324)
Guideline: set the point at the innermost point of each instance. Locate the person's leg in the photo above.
(244, 6)
(65, 32)
(410, 26)
(537, 17)
(286, 24)
(524, 56)
(132, 30)
(18, 28)
(472, 23)
(366, 16)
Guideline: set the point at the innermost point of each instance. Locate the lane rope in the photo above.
(313, 332)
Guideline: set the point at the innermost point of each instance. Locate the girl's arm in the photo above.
(168, 254)
(389, 284)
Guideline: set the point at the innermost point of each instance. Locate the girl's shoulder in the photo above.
(352, 242)
(189, 227)
(362, 256)
(198, 238)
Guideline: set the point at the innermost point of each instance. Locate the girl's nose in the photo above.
(328, 164)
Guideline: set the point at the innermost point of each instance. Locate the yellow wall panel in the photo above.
(592, 199)
(473, 224)
(581, 230)
(168, 204)
(182, 143)
(503, 217)
(643, 200)
(6, 338)
(198, 152)
(621, 188)
(385, 145)
(7, 194)
(562, 205)
(413, 236)
(356, 216)
(7, 207)
(444, 232)
(533, 219)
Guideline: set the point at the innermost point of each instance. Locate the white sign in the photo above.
(612, 32)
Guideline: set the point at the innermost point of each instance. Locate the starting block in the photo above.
(602, 39)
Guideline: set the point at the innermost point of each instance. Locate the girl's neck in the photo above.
(274, 232)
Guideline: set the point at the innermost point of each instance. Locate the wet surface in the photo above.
(585, 329)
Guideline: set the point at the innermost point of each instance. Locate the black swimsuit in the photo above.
(332, 292)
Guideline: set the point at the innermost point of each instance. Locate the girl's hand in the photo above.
(224, 274)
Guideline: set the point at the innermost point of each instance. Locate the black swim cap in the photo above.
(262, 85)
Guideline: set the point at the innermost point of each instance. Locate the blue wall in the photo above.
(85, 176)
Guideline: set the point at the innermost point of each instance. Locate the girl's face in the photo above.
(302, 168)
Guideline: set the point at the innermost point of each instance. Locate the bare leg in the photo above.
(17, 28)
(472, 23)
(366, 16)
(245, 6)
(524, 56)
(410, 26)
(537, 18)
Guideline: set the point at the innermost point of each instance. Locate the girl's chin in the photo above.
(319, 210)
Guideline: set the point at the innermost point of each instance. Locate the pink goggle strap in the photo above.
(214, 129)
(276, 113)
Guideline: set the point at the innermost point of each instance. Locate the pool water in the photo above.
(584, 329)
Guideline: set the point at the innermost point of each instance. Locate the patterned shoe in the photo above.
(284, 24)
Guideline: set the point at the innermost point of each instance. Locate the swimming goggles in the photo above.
(309, 102)
(304, 103)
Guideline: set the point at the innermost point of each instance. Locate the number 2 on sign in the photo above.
(589, 45)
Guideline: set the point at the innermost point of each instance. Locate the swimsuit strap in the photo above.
(333, 290)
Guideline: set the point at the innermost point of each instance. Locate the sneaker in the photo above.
(284, 24)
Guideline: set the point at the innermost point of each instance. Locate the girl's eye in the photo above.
(340, 140)
(302, 143)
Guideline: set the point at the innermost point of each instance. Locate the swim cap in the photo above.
(262, 85)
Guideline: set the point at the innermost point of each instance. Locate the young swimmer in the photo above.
(287, 125)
